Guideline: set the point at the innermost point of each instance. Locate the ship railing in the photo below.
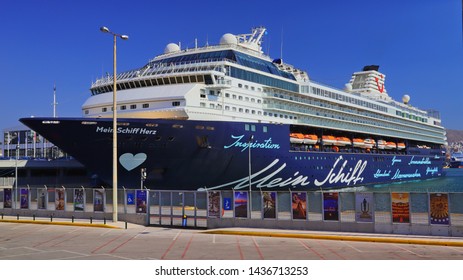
(164, 68)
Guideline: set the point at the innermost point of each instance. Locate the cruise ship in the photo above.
(228, 117)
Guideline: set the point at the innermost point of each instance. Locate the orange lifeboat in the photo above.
(369, 143)
(329, 140)
(382, 144)
(296, 138)
(359, 143)
(391, 145)
(343, 141)
(401, 146)
(310, 139)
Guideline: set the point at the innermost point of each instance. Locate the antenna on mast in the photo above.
(281, 46)
(54, 100)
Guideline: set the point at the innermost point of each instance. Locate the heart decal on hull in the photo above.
(130, 161)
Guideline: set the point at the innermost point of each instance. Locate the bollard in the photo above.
(2, 216)
(17, 216)
(104, 220)
(184, 220)
(33, 217)
(91, 220)
(51, 218)
(125, 224)
(72, 218)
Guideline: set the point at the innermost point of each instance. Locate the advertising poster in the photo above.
(241, 204)
(130, 198)
(213, 205)
(330, 206)
(98, 200)
(227, 203)
(59, 199)
(299, 205)
(79, 200)
(439, 208)
(141, 201)
(7, 199)
(42, 199)
(24, 198)
(270, 206)
(400, 207)
(364, 208)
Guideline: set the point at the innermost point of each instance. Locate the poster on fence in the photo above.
(241, 204)
(141, 201)
(98, 200)
(330, 206)
(299, 205)
(42, 199)
(24, 198)
(7, 199)
(364, 207)
(400, 207)
(79, 203)
(130, 198)
(439, 209)
(213, 204)
(270, 205)
(59, 199)
(227, 203)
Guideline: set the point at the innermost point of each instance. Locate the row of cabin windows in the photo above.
(124, 107)
(247, 87)
(228, 108)
(227, 95)
(247, 111)
(410, 116)
(280, 115)
(252, 127)
(134, 106)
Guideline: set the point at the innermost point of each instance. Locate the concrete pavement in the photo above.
(41, 239)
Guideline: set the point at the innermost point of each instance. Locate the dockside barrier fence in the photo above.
(418, 213)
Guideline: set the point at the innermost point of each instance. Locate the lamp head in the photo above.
(124, 37)
(104, 29)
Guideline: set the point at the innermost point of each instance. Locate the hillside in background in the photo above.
(454, 136)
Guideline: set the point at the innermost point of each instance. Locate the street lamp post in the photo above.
(16, 177)
(123, 37)
(251, 138)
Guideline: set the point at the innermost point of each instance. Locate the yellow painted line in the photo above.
(400, 240)
(78, 224)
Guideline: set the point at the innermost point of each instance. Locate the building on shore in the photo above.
(37, 161)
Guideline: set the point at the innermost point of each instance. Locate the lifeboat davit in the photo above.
(310, 139)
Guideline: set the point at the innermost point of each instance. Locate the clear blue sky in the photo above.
(417, 43)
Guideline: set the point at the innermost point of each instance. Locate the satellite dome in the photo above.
(170, 48)
(348, 87)
(228, 39)
(406, 98)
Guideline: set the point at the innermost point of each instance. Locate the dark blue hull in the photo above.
(215, 155)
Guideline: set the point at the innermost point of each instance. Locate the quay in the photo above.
(33, 240)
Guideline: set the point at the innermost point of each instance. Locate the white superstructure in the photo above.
(236, 81)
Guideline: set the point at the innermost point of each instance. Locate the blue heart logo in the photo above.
(130, 161)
